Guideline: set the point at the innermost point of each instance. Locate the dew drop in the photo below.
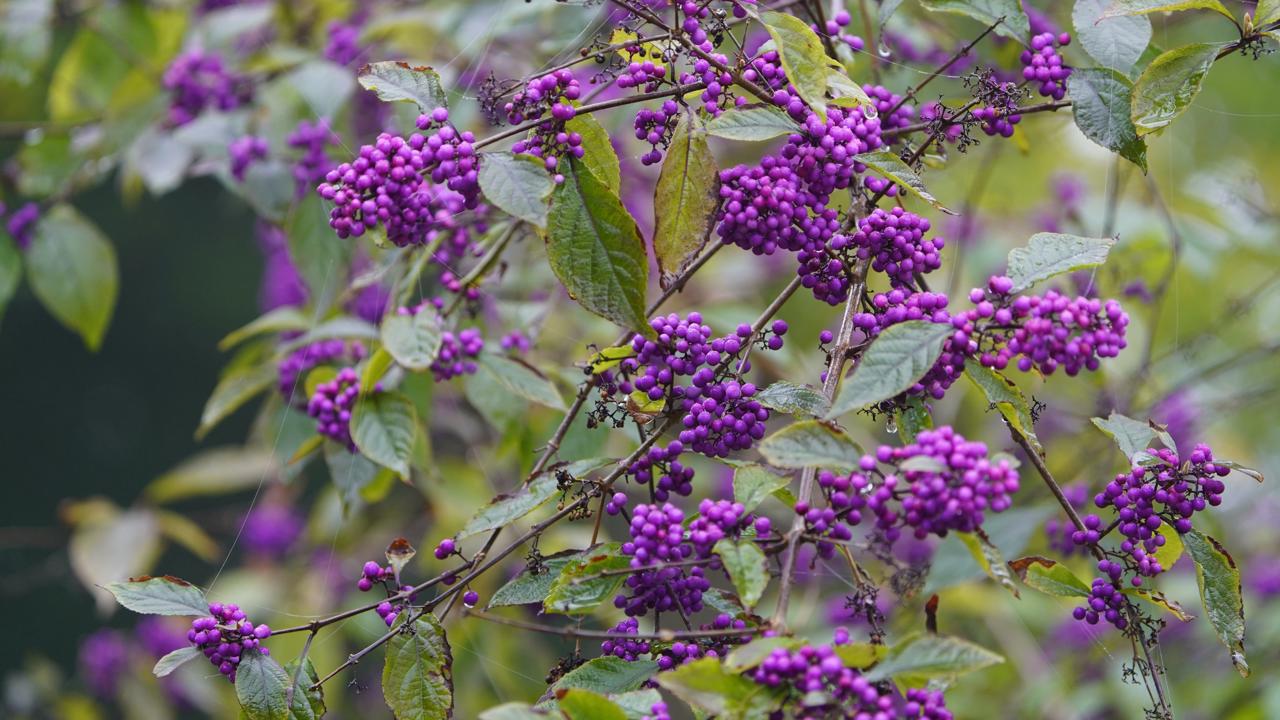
(891, 427)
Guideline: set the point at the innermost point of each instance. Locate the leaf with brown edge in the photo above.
(1048, 576)
(399, 553)
(988, 557)
(685, 199)
(1219, 579)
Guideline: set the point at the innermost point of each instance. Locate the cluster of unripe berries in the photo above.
(829, 688)
(224, 635)
(1043, 65)
(197, 81)
(412, 186)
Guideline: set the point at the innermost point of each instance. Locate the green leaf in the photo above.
(522, 379)
(1267, 12)
(608, 675)
(638, 704)
(747, 568)
(579, 704)
(595, 248)
(861, 656)
(913, 418)
(895, 361)
(505, 509)
(72, 270)
(383, 428)
(375, 368)
(1001, 393)
(888, 164)
(708, 686)
(282, 319)
(1255, 474)
(1219, 582)
(1100, 102)
(803, 58)
(527, 588)
(1160, 601)
(598, 156)
(847, 93)
(1169, 553)
(745, 657)
(1015, 24)
(932, 656)
(1050, 254)
(685, 199)
(753, 483)
(10, 271)
(988, 557)
(174, 660)
(261, 687)
(518, 184)
(580, 588)
(215, 471)
(234, 390)
(159, 596)
(304, 698)
(1169, 85)
(752, 123)
(399, 81)
(1117, 8)
(793, 399)
(1011, 531)
(417, 678)
(25, 35)
(319, 254)
(1115, 42)
(811, 443)
(1049, 577)
(413, 340)
(514, 711)
(1132, 436)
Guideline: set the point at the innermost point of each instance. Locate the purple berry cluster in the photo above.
(21, 225)
(292, 370)
(835, 29)
(197, 81)
(413, 187)
(817, 674)
(457, 354)
(1042, 64)
(1106, 601)
(313, 164)
(655, 127)
(552, 94)
(244, 151)
(103, 659)
(342, 45)
(895, 243)
(332, 404)
(374, 574)
(224, 635)
(271, 529)
(657, 537)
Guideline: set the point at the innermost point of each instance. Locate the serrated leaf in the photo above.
(395, 81)
(895, 361)
(506, 509)
(1051, 254)
(598, 156)
(1049, 577)
(581, 587)
(1132, 436)
(595, 248)
(1170, 84)
(262, 687)
(159, 596)
(608, 674)
(522, 379)
(72, 271)
(1117, 8)
(413, 340)
(888, 164)
(803, 58)
(1015, 24)
(518, 184)
(988, 557)
(708, 686)
(745, 657)
(753, 483)
(793, 399)
(174, 660)
(747, 568)
(580, 704)
(1219, 580)
(1115, 42)
(1007, 399)
(1100, 102)
(282, 319)
(383, 428)
(417, 678)
(752, 123)
(527, 588)
(811, 444)
(685, 199)
(932, 656)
